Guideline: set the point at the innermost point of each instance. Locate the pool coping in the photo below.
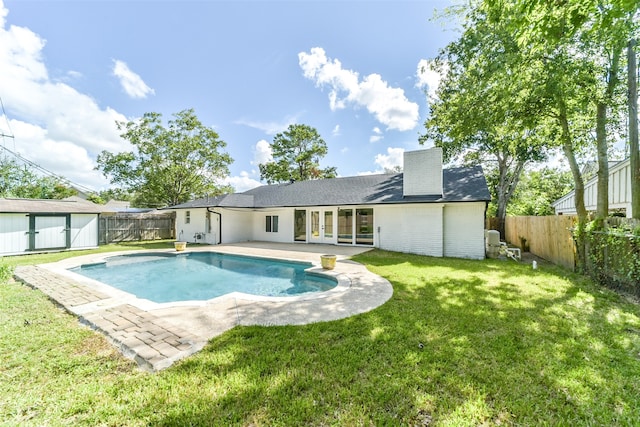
(156, 335)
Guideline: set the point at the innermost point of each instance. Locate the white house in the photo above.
(29, 225)
(619, 192)
(424, 210)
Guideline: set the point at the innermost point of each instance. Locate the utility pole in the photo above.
(634, 150)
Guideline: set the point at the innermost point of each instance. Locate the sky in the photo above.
(69, 70)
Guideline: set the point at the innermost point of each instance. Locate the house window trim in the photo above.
(187, 217)
(271, 224)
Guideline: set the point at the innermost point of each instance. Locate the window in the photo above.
(271, 224)
(187, 217)
(345, 225)
(361, 222)
(328, 224)
(364, 226)
(300, 226)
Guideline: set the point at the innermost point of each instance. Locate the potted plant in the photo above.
(328, 261)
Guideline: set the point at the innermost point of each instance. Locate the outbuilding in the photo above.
(32, 225)
(425, 210)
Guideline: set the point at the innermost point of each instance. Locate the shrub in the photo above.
(6, 271)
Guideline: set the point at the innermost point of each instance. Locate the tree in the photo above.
(479, 115)
(168, 166)
(105, 196)
(296, 156)
(21, 182)
(538, 189)
(633, 128)
(593, 33)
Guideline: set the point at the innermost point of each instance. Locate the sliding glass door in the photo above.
(300, 225)
(355, 226)
(345, 225)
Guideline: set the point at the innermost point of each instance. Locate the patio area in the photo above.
(157, 335)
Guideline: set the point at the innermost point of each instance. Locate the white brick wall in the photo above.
(285, 225)
(423, 172)
(410, 228)
(464, 230)
(453, 230)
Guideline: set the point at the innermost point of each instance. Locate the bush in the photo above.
(6, 271)
(614, 256)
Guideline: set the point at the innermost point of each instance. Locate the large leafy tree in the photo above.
(588, 36)
(296, 156)
(168, 165)
(596, 32)
(480, 112)
(553, 73)
(20, 181)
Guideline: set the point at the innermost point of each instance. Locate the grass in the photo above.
(460, 343)
(41, 258)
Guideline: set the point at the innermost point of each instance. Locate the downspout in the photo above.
(219, 224)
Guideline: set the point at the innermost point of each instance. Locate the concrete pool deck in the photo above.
(157, 335)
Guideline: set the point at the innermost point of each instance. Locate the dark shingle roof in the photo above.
(463, 184)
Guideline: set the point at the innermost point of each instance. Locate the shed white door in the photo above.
(50, 232)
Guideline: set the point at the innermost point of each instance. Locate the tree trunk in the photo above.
(602, 206)
(634, 150)
(506, 187)
(567, 148)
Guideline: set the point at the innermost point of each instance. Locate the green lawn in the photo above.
(460, 343)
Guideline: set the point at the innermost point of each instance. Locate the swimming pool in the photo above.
(201, 276)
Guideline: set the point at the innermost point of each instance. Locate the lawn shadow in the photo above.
(460, 342)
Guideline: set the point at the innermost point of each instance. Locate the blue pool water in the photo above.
(203, 275)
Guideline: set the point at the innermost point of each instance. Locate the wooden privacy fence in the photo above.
(127, 228)
(548, 237)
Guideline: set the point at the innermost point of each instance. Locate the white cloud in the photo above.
(270, 128)
(74, 74)
(54, 125)
(261, 153)
(387, 104)
(392, 159)
(426, 78)
(63, 158)
(377, 135)
(131, 82)
(243, 182)
(336, 131)
(3, 14)
(387, 162)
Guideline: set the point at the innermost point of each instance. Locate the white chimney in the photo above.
(423, 172)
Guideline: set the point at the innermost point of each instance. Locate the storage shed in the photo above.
(31, 225)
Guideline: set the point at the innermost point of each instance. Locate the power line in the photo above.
(48, 172)
(33, 164)
(2, 134)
